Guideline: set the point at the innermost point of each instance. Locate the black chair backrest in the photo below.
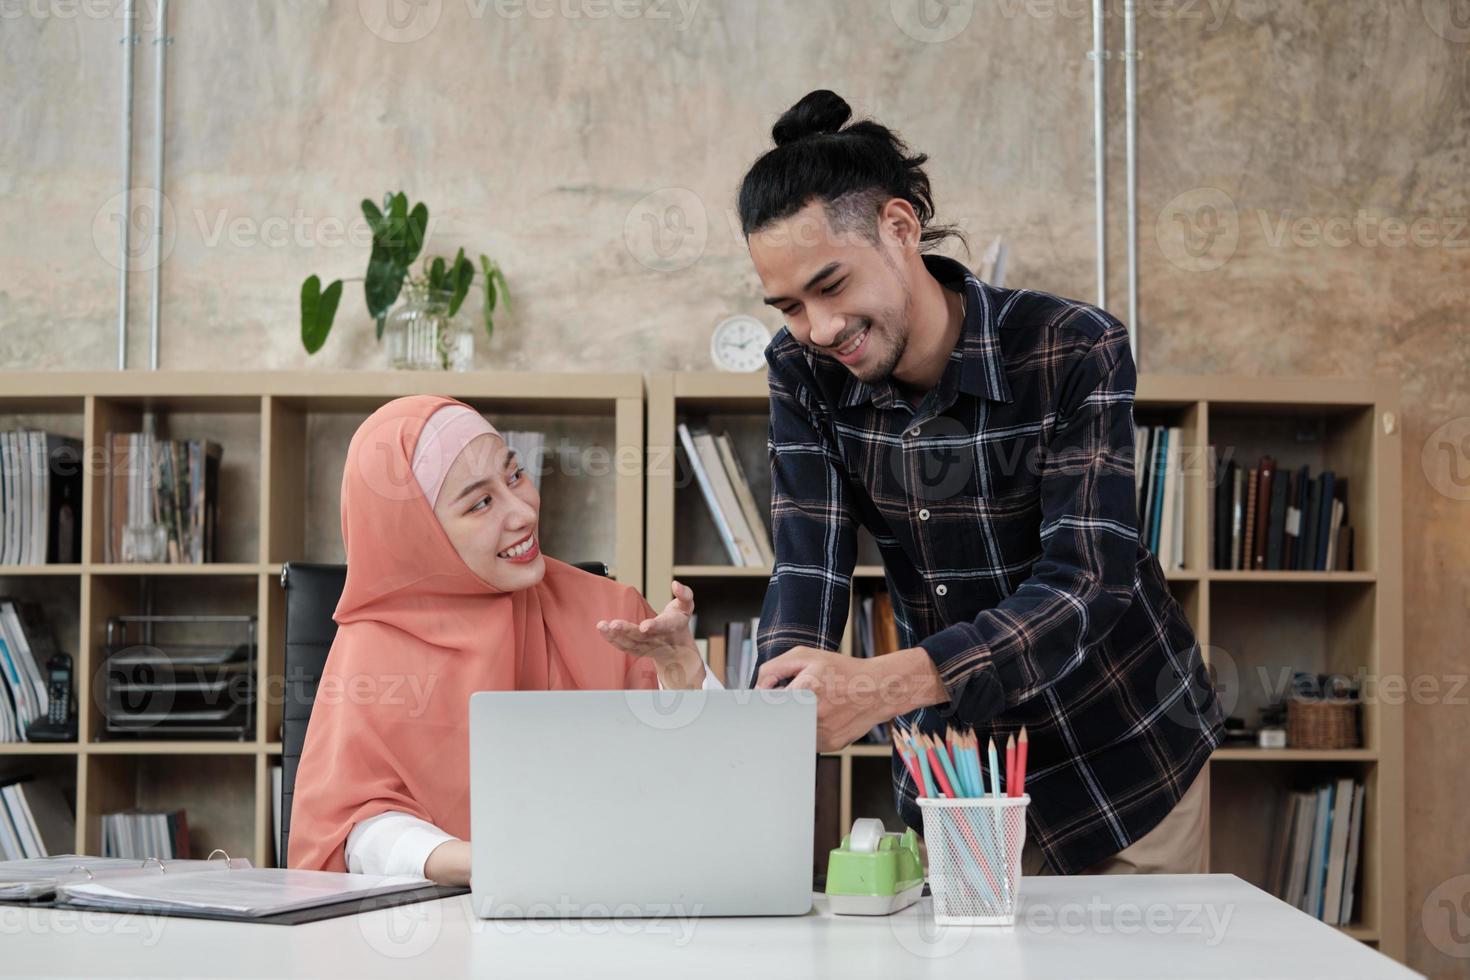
(312, 592)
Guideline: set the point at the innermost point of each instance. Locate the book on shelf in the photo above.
(1279, 519)
(138, 834)
(35, 819)
(26, 643)
(1158, 472)
(40, 498)
(162, 499)
(754, 520)
(1316, 850)
(728, 496)
(740, 653)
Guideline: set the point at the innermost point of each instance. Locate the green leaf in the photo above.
(383, 282)
(436, 273)
(318, 309)
(495, 291)
(417, 225)
(461, 274)
(373, 215)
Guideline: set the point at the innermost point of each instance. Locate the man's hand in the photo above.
(855, 693)
(665, 639)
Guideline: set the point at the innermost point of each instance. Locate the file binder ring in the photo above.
(85, 870)
(160, 863)
(229, 861)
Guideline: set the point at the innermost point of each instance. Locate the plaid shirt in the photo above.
(1004, 507)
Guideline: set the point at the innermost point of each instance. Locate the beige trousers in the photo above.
(1176, 846)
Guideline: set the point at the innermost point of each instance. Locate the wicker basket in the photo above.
(1330, 724)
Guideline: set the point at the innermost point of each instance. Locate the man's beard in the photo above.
(893, 328)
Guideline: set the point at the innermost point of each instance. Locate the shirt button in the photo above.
(941, 589)
(924, 514)
(913, 433)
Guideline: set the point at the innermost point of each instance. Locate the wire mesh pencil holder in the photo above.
(974, 849)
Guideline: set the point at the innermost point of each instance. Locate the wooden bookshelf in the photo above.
(1248, 622)
(285, 437)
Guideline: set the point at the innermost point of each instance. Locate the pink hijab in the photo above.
(418, 633)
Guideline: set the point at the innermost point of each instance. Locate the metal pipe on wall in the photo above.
(128, 40)
(1099, 155)
(1130, 89)
(160, 46)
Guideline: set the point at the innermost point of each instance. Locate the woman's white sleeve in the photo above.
(711, 682)
(392, 843)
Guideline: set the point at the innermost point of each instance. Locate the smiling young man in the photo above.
(984, 437)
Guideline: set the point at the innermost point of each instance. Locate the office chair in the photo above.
(312, 592)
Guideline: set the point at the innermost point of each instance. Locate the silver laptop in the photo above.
(641, 803)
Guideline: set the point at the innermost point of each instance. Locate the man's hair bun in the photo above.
(822, 111)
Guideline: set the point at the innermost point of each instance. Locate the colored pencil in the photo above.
(949, 770)
(1020, 779)
(944, 784)
(1010, 764)
(923, 758)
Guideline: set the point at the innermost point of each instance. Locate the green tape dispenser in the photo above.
(874, 872)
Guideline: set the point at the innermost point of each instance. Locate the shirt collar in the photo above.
(976, 366)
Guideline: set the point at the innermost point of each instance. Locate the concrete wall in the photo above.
(1303, 199)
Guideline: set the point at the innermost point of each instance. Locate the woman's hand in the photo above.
(664, 639)
(449, 863)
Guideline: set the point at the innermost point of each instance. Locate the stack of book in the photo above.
(1314, 857)
(25, 645)
(40, 498)
(134, 834)
(162, 499)
(1158, 472)
(727, 493)
(35, 819)
(1268, 518)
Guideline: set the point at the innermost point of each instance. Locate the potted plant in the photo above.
(424, 331)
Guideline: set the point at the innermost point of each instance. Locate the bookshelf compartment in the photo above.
(59, 416)
(1340, 438)
(217, 792)
(1260, 633)
(59, 597)
(163, 595)
(231, 421)
(696, 537)
(56, 770)
(1248, 804)
(717, 604)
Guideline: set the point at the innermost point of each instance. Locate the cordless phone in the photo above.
(58, 725)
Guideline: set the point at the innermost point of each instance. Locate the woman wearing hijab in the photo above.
(448, 593)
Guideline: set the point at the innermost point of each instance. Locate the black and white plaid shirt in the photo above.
(1004, 507)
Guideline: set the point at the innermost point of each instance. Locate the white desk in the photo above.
(1115, 926)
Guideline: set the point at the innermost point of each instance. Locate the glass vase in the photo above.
(420, 335)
